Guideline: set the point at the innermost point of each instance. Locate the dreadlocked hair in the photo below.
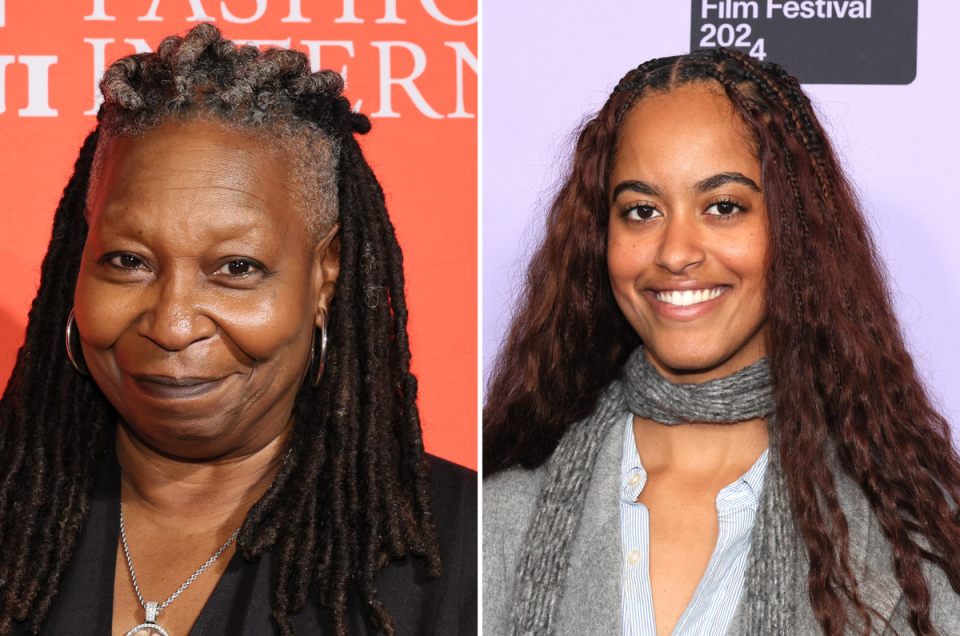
(352, 493)
(844, 382)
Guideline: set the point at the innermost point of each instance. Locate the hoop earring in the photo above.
(80, 367)
(323, 348)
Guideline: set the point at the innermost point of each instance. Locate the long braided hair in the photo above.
(352, 493)
(843, 379)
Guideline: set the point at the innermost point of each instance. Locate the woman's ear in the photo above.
(326, 268)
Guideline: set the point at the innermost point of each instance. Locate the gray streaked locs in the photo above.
(270, 95)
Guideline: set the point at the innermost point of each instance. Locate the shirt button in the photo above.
(634, 480)
(634, 557)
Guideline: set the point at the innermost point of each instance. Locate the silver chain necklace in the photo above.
(149, 627)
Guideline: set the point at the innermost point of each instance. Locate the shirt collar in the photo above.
(630, 458)
(631, 468)
(754, 477)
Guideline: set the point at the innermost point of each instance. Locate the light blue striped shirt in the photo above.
(715, 600)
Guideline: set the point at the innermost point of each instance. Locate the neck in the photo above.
(218, 491)
(701, 451)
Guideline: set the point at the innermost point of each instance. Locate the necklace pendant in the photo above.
(149, 627)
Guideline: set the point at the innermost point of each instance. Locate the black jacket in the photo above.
(240, 604)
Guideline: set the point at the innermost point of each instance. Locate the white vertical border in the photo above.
(479, 318)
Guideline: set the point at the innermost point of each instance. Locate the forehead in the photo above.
(687, 133)
(178, 175)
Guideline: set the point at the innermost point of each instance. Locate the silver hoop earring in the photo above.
(323, 348)
(80, 367)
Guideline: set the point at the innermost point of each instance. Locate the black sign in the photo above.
(816, 41)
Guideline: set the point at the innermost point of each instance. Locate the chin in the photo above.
(191, 438)
(688, 364)
(691, 357)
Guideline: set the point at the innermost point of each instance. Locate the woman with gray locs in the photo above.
(235, 390)
(704, 419)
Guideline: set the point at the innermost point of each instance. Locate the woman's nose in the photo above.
(681, 245)
(175, 320)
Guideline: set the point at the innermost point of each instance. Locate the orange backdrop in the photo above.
(412, 66)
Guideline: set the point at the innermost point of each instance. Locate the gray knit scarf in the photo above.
(771, 594)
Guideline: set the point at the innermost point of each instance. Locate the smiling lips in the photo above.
(688, 297)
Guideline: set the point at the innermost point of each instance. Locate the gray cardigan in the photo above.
(591, 600)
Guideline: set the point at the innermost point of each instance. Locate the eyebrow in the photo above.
(708, 184)
(722, 179)
(640, 187)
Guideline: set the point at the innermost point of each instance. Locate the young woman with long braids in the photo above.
(235, 387)
(707, 332)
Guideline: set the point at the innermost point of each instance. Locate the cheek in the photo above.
(627, 260)
(746, 256)
(103, 312)
(747, 259)
(266, 325)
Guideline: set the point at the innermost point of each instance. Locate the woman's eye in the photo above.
(642, 212)
(724, 208)
(126, 261)
(238, 268)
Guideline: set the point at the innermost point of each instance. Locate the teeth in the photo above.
(689, 297)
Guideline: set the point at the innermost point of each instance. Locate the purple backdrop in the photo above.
(549, 65)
